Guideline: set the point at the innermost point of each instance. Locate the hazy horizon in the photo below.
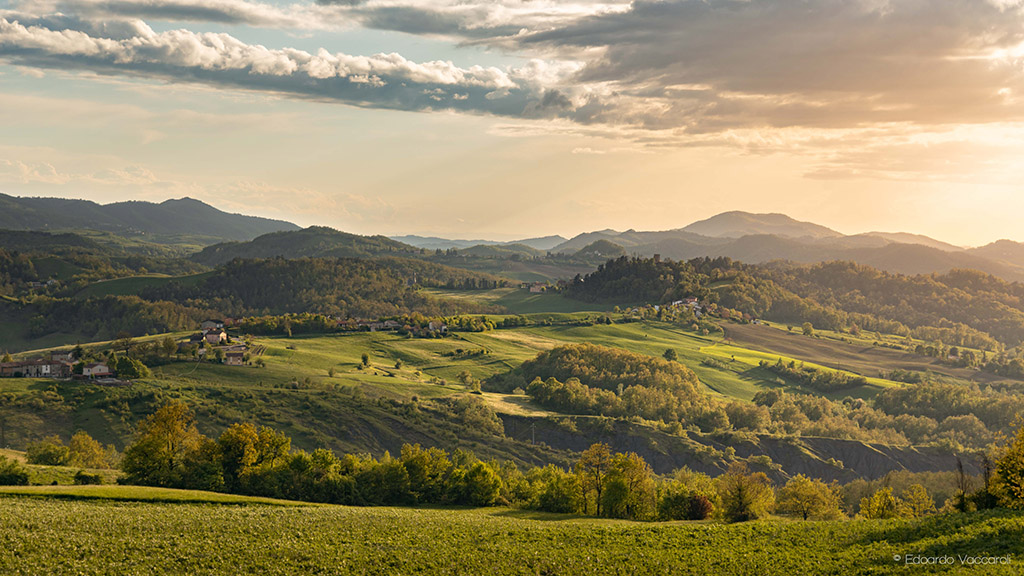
(505, 119)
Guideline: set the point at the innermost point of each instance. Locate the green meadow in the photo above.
(141, 531)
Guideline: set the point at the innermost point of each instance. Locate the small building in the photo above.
(62, 356)
(96, 370)
(392, 325)
(215, 336)
(208, 325)
(234, 358)
(537, 287)
(10, 370)
(436, 326)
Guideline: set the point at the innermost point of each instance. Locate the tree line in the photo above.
(589, 379)
(959, 308)
(246, 459)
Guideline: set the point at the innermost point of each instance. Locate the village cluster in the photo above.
(211, 343)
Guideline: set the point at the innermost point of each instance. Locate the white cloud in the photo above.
(384, 80)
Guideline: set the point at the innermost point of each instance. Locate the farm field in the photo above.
(86, 536)
(521, 301)
(132, 285)
(859, 356)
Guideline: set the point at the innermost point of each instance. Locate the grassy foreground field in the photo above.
(51, 536)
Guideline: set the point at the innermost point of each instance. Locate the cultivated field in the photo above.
(41, 535)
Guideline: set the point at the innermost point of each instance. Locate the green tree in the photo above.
(428, 472)
(12, 472)
(366, 359)
(167, 450)
(49, 451)
(629, 489)
(916, 502)
(1010, 472)
(744, 495)
(478, 485)
(880, 505)
(168, 346)
(131, 368)
(592, 469)
(554, 490)
(809, 499)
(88, 453)
(124, 341)
(808, 329)
(7, 358)
(671, 355)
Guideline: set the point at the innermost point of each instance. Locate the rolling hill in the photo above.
(736, 224)
(760, 238)
(180, 217)
(435, 243)
(312, 242)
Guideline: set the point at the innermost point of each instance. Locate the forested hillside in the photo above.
(184, 216)
(335, 286)
(961, 308)
(312, 242)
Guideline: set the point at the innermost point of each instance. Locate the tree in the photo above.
(218, 355)
(554, 489)
(808, 329)
(12, 473)
(809, 499)
(49, 451)
(688, 496)
(131, 368)
(591, 469)
(167, 450)
(168, 346)
(671, 355)
(88, 453)
(629, 491)
(479, 485)
(366, 359)
(916, 502)
(123, 342)
(744, 495)
(428, 471)
(881, 505)
(1010, 472)
(7, 358)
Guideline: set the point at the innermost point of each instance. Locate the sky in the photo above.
(508, 119)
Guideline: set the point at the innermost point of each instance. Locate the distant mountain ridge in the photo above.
(435, 243)
(737, 224)
(178, 217)
(759, 238)
(312, 242)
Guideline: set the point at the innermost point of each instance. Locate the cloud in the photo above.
(456, 19)
(707, 66)
(381, 80)
(765, 76)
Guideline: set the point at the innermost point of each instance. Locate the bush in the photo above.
(12, 473)
(82, 478)
(49, 451)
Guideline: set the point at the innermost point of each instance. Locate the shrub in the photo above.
(49, 451)
(83, 478)
(12, 473)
